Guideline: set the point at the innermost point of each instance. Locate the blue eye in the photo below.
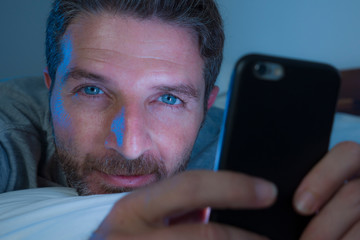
(92, 90)
(169, 99)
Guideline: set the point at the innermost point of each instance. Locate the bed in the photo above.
(58, 213)
(347, 119)
(349, 95)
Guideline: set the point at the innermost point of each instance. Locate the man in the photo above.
(130, 83)
(180, 97)
(125, 112)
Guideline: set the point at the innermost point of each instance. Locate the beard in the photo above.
(80, 172)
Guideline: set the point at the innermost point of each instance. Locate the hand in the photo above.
(170, 209)
(332, 190)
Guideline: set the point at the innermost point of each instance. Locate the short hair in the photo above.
(201, 16)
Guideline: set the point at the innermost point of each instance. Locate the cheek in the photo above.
(77, 130)
(175, 136)
(62, 122)
(89, 133)
(60, 116)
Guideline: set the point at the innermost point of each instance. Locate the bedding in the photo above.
(347, 119)
(346, 128)
(52, 213)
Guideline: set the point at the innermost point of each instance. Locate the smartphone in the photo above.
(277, 125)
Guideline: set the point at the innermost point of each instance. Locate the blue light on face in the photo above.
(59, 113)
(118, 127)
(67, 50)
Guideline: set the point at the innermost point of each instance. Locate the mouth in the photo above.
(128, 181)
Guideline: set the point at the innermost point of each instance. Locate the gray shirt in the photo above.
(27, 144)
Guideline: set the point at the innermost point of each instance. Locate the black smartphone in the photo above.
(277, 125)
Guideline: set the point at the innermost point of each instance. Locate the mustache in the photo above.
(115, 164)
(79, 171)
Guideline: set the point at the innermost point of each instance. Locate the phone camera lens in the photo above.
(260, 68)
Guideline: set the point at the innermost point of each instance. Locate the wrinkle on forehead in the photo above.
(127, 48)
(119, 58)
(125, 34)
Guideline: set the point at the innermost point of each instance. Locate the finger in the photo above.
(335, 219)
(353, 233)
(199, 189)
(340, 164)
(191, 190)
(193, 232)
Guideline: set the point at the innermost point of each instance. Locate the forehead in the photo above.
(116, 40)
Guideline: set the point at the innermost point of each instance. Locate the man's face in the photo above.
(127, 102)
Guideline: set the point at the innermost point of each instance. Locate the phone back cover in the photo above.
(277, 130)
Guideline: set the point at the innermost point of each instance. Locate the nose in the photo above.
(128, 134)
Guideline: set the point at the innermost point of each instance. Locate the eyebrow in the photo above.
(78, 74)
(182, 89)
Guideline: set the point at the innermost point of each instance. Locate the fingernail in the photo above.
(306, 203)
(266, 191)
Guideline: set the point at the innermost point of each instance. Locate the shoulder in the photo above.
(25, 131)
(23, 102)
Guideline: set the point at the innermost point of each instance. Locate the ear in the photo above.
(212, 96)
(47, 78)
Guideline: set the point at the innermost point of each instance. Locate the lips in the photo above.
(128, 181)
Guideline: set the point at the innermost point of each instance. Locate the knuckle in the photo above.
(351, 147)
(121, 202)
(349, 154)
(124, 205)
(350, 192)
(118, 206)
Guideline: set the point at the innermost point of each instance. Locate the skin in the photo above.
(173, 208)
(141, 215)
(333, 187)
(135, 67)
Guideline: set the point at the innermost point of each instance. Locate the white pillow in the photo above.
(52, 213)
(346, 128)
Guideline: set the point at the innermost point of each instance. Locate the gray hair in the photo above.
(202, 16)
